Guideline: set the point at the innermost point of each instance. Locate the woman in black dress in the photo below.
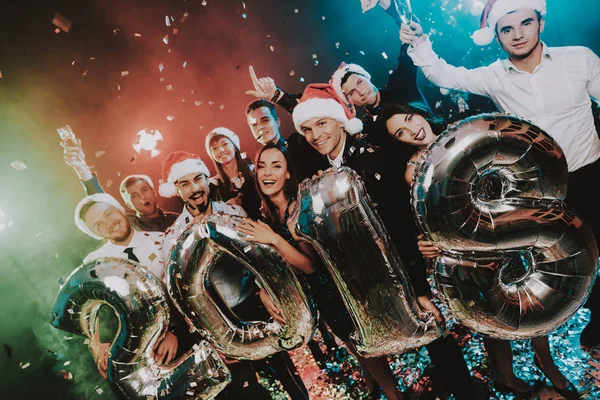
(277, 187)
(234, 181)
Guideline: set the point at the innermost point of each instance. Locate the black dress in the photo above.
(323, 290)
(246, 186)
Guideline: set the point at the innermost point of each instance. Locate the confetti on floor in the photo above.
(342, 377)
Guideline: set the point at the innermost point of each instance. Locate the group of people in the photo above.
(551, 86)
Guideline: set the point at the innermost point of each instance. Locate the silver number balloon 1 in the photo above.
(516, 262)
(214, 243)
(339, 219)
(140, 303)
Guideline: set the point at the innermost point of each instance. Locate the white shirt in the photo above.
(235, 284)
(555, 96)
(147, 247)
(337, 161)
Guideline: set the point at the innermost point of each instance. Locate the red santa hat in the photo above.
(95, 198)
(127, 179)
(338, 75)
(322, 100)
(177, 165)
(496, 9)
(229, 134)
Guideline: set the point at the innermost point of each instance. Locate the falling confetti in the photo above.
(198, 103)
(61, 22)
(272, 48)
(100, 153)
(23, 366)
(167, 20)
(109, 183)
(166, 39)
(161, 67)
(18, 165)
(292, 73)
(137, 34)
(384, 55)
(184, 64)
(124, 73)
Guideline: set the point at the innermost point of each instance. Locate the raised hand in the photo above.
(75, 158)
(264, 88)
(412, 33)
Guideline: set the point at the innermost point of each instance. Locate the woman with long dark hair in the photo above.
(234, 181)
(412, 128)
(277, 187)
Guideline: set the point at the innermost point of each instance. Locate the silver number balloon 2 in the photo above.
(339, 219)
(140, 303)
(516, 263)
(215, 243)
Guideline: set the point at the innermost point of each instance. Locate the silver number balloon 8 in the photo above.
(140, 303)
(516, 263)
(339, 219)
(202, 248)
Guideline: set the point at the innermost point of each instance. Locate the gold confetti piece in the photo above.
(92, 58)
(137, 35)
(116, 31)
(57, 31)
(67, 375)
(61, 22)
(166, 39)
(152, 257)
(292, 73)
(185, 15)
(169, 87)
(175, 31)
(84, 73)
(170, 117)
(100, 153)
(198, 103)
(161, 67)
(109, 183)
(204, 2)
(247, 248)
(124, 73)
(66, 363)
(184, 64)
(23, 366)
(272, 48)
(222, 107)
(18, 165)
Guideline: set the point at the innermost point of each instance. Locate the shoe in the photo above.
(569, 392)
(501, 387)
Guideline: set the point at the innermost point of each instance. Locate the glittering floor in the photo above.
(342, 378)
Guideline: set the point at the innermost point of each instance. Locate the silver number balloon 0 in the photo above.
(339, 219)
(212, 243)
(516, 262)
(140, 303)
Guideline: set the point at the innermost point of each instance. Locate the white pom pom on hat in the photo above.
(321, 100)
(496, 9)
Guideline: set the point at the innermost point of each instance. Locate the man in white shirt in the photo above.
(186, 176)
(102, 217)
(551, 86)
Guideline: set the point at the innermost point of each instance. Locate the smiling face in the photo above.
(412, 129)
(264, 126)
(360, 90)
(194, 190)
(108, 222)
(141, 197)
(272, 172)
(324, 134)
(519, 32)
(222, 149)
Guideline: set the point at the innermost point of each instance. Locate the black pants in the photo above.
(279, 365)
(244, 384)
(580, 196)
(450, 369)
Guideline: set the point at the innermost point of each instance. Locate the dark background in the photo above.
(45, 86)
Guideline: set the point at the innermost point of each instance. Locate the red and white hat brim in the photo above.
(324, 108)
(228, 133)
(338, 75)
